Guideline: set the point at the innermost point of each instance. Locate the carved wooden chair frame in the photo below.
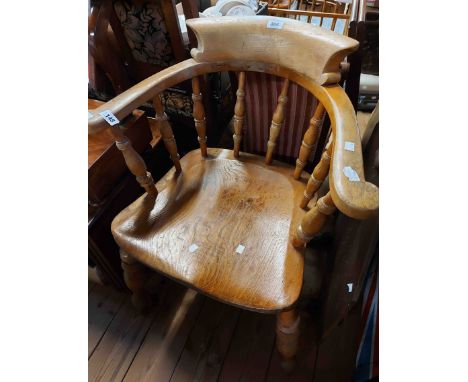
(298, 52)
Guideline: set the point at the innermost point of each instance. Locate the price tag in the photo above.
(109, 117)
(240, 249)
(349, 146)
(351, 174)
(275, 24)
(193, 248)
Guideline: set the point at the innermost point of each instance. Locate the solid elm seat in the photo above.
(218, 204)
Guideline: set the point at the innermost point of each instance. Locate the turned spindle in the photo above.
(166, 131)
(332, 28)
(134, 161)
(199, 115)
(313, 221)
(135, 275)
(318, 175)
(277, 122)
(287, 336)
(310, 138)
(239, 114)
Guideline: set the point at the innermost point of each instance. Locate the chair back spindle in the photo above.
(277, 121)
(199, 115)
(318, 175)
(310, 139)
(166, 131)
(239, 114)
(134, 161)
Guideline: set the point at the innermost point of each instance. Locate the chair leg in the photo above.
(287, 336)
(135, 277)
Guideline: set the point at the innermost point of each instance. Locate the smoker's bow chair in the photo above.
(230, 224)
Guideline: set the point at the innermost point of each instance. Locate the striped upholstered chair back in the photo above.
(263, 90)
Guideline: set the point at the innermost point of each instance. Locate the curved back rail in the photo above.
(316, 69)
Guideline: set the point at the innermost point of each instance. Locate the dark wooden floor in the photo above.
(187, 337)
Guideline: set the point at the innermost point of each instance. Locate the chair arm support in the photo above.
(356, 198)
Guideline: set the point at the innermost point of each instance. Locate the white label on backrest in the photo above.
(109, 117)
(90, 115)
(351, 174)
(350, 287)
(275, 24)
(349, 146)
(240, 249)
(193, 248)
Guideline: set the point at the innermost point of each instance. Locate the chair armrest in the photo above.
(356, 198)
(123, 104)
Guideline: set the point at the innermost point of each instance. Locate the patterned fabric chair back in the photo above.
(145, 31)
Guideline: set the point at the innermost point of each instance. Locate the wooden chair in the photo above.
(226, 223)
(133, 39)
(335, 21)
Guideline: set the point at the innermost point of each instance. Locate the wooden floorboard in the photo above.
(119, 345)
(249, 353)
(165, 341)
(187, 337)
(207, 344)
(103, 304)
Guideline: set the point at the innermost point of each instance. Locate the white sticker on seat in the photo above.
(193, 248)
(240, 249)
(351, 174)
(349, 146)
(109, 117)
(275, 24)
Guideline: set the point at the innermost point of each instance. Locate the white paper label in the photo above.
(351, 174)
(275, 24)
(90, 115)
(193, 248)
(350, 287)
(240, 249)
(109, 117)
(349, 146)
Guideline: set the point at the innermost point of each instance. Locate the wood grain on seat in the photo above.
(201, 216)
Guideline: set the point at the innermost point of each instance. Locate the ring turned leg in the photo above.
(287, 336)
(135, 277)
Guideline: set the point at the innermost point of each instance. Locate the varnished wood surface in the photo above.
(356, 199)
(301, 14)
(253, 51)
(105, 163)
(97, 143)
(188, 337)
(103, 305)
(218, 204)
(256, 41)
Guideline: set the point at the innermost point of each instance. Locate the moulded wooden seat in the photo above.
(218, 204)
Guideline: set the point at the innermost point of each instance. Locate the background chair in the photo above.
(228, 223)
